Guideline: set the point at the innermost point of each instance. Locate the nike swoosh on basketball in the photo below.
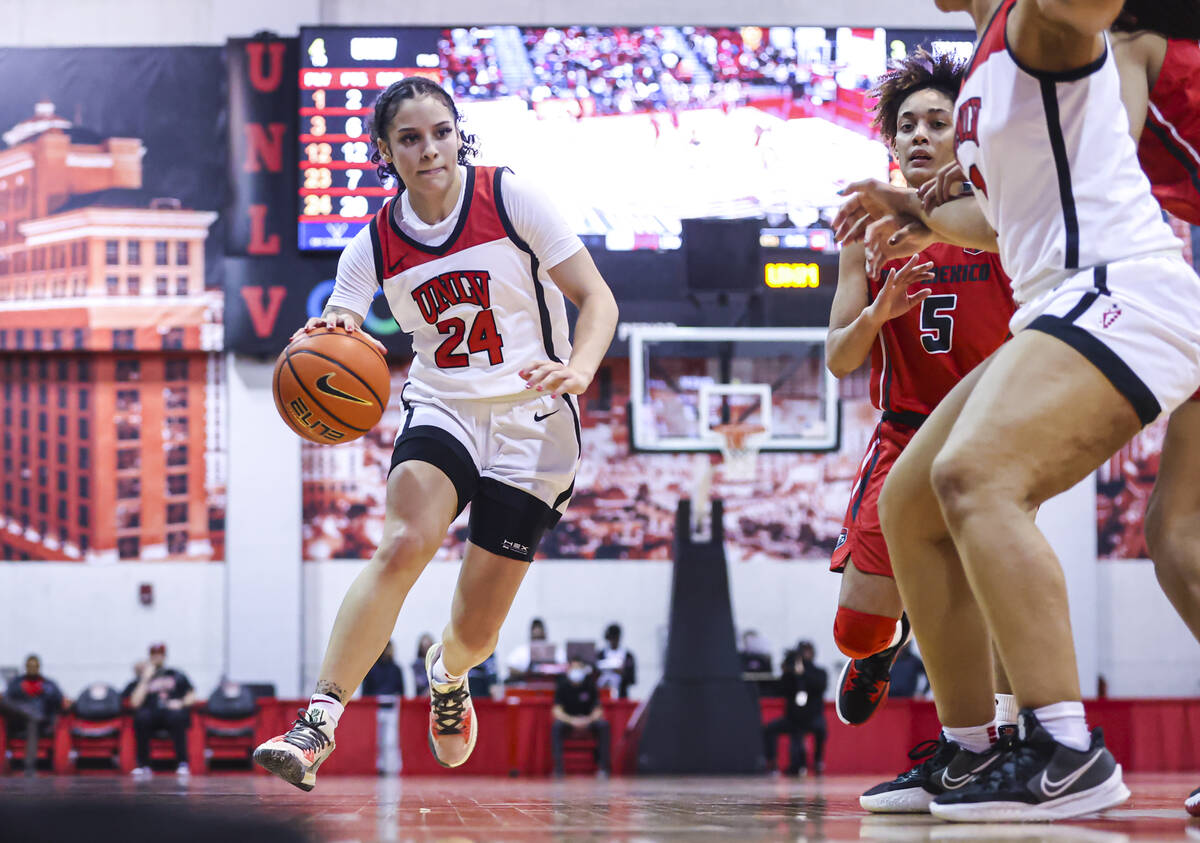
(955, 782)
(325, 386)
(540, 417)
(1053, 789)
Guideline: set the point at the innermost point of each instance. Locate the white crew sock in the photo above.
(441, 676)
(896, 637)
(1066, 723)
(328, 708)
(1006, 710)
(973, 738)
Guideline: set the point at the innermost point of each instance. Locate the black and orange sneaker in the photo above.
(864, 683)
(296, 755)
(452, 726)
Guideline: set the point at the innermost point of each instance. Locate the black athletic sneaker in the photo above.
(942, 766)
(1192, 803)
(864, 683)
(1039, 779)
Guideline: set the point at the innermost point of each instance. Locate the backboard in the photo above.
(684, 382)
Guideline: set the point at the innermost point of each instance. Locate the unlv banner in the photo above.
(267, 299)
(262, 149)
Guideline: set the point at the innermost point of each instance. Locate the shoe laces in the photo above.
(306, 733)
(925, 756)
(449, 709)
(867, 674)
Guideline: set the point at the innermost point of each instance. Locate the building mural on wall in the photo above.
(112, 389)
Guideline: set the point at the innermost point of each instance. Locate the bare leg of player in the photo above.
(1002, 459)
(954, 639)
(421, 503)
(487, 584)
(1173, 516)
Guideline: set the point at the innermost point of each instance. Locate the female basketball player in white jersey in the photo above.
(474, 263)
(1105, 341)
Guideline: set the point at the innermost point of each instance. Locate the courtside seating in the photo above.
(230, 723)
(98, 728)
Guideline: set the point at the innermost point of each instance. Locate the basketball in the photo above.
(331, 385)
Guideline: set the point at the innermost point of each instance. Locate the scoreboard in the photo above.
(342, 71)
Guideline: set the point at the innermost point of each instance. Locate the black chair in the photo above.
(98, 726)
(230, 722)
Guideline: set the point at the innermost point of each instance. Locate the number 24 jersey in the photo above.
(477, 301)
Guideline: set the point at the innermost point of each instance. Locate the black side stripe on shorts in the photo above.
(862, 490)
(1062, 167)
(566, 495)
(538, 292)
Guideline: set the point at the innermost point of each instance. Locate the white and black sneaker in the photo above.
(942, 766)
(295, 755)
(1038, 779)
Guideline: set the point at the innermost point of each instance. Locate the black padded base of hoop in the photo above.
(702, 717)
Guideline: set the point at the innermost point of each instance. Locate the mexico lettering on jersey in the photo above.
(479, 306)
(920, 355)
(1056, 168)
(1169, 148)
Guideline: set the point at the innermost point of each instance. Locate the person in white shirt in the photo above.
(475, 263)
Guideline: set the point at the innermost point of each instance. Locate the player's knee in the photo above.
(956, 482)
(1174, 548)
(860, 635)
(404, 546)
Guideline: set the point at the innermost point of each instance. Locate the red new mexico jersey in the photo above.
(1169, 148)
(920, 355)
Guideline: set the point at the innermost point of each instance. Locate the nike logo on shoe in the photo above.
(950, 782)
(1052, 790)
(539, 416)
(324, 386)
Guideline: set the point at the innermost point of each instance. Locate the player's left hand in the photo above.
(867, 201)
(894, 237)
(554, 378)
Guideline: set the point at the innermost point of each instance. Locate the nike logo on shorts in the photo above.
(540, 417)
(324, 386)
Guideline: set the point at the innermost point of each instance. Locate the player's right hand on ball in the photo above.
(337, 320)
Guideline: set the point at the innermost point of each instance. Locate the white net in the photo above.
(739, 450)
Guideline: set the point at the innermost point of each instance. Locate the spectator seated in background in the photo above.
(385, 678)
(577, 708)
(420, 678)
(32, 705)
(618, 668)
(161, 698)
(908, 674)
(803, 686)
(755, 656)
(483, 680)
(537, 658)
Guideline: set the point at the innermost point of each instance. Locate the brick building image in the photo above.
(111, 389)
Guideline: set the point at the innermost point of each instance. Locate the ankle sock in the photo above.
(327, 706)
(973, 738)
(1066, 723)
(441, 676)
(1006, 710)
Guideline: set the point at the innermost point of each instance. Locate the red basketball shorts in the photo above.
(862, 537)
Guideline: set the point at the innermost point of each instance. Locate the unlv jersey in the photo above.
(1053, 165)
(479, 306)
(1169, 148)
(920, 355)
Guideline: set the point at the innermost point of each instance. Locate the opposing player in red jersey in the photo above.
(924, 323)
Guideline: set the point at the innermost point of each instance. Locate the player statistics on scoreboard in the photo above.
(342, 71)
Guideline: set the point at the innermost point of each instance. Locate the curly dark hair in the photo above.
(1169, 18)
(385, 110)
(915, 72)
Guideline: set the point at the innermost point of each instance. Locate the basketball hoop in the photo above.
(739, 450)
